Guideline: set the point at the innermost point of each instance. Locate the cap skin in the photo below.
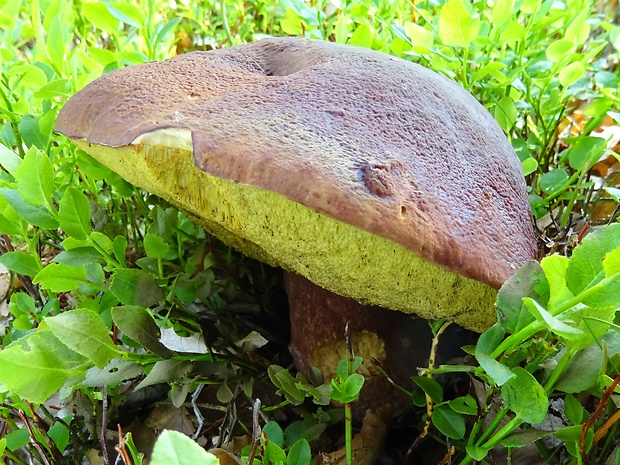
(370, 175)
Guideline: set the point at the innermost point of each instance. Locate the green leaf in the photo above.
(224, 394)
(523, 438)
(119, 246)
(59, 433)
(353, 385)
(274, 433)
(274, 453)
(492, 69)
(506, 113)
(11, 228)
(167, 28)
(525, 397)
(569, 434)
(553, 181)
(166, 371)
(528, 281)
(487, 343)
(35, 178)
(571, 74)
(585, 267)
(98, 15)
(80, 256)
(529, 165)
(174, 448)
(306, 429)
(362, 36)
(117, 371)
(299, 453)
(456, 25)
(154, 246)
(502, 10)
(47, 121)
(37, 216)
(586, 149)
(419, 35)
(560, 49)
(54, 89)
(448, 422)
(127, 13)
(31, 132)
(584, 367)
(58, 277)
(476, 452)
(102, 241)
(74, 214)
(613, 192)
(347, 391)
(31, 76)
(430, 387)
(84, 332)
(17, 439)
(138, 324)
(9, 160)
(342, 369)
(286, 384)
(22, 304)
(135, 287)
(611, 263)
(573, 410)
(552, 323)
(55, 43)
(555, 267)
(513, 31)
(36, 366)
(21, 263)
(465, 405)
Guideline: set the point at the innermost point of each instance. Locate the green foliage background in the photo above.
(86, 250)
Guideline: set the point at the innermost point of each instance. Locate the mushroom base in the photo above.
(398, 342)
(269, 227)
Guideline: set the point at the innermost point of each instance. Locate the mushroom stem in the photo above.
(318, 320)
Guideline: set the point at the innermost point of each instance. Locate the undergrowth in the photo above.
(107, 293)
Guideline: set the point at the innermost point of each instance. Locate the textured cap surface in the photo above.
(362, 137)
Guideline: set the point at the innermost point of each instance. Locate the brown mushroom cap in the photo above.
(371, 141)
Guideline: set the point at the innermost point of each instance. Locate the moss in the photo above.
(337, 256)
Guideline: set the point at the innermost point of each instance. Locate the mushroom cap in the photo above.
(355, 135)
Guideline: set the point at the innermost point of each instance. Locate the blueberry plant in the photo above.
(107, 291)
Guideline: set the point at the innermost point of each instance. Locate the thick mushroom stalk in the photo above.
(368, 175)
(385, 339)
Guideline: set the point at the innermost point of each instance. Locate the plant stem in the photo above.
(497, 437)
(559, 369)
(501, 413)
(502, 433)
(348, 434)
(348, 417)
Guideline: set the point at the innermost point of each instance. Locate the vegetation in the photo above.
(106, 292)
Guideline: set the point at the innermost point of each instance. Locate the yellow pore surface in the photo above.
(275, 230)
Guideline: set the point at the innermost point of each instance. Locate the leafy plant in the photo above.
(110, 287)
(555, 336)
(344, 389)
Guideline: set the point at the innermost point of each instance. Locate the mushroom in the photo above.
(365, 175)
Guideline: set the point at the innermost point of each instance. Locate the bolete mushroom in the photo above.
(372, 177)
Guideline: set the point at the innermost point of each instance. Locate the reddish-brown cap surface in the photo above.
(372, 140)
